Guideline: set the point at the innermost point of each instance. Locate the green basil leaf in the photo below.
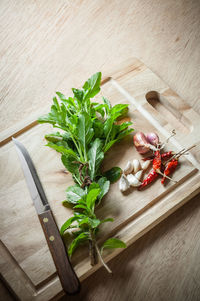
(68, 162)
(91, 198)
(99, 108)
(124, 134)
(66, 136)
(61, 96)
(93, 85)
(67, 204)
(124, 126)
(117, 128)
(63, 143)
(91, 222)
(67, 224)
(119, 110)
(54, 137)
(78, 94)
(85, 131)
(107, 220)
(68, 102)
(94, 222)
(121, 135)
(113, 174)
(77, 233)
(63, 150)
(98, 127)
(113, 243)
(79, 216)
(84, 236)
(108, 106)
(93, 185)
(95, 156)
(104, 186)
(74, 194)
(55, 101)
(108, 126)
(123, 113)
(80, 206)
(46, 119)
(57, 116)
(109, 145)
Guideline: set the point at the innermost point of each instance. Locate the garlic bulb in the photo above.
(141, 143)
(152, 138)
(136, 165)
(138, 174)
(123, 183)
(129, 167)
(145, 164)
(133, 181)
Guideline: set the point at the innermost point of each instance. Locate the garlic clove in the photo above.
(123, 183)
(145, 164)
(138, 174)
(136, 165)
(133, 181)
(129, 168)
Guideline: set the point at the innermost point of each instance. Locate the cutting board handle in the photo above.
(177, 113)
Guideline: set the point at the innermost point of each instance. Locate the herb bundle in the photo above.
(87, 130)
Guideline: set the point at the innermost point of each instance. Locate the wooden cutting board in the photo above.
(25, 261)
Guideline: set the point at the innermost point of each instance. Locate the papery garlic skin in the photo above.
(141, 143)
(136, 165)
(133, 181)
(129, 168)
(123, 183)
(145, 164)
(138, 174)
(152, 138)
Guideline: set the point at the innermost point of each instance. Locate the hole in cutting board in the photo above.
(168, 112)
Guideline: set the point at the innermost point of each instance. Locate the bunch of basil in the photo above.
(88, 130)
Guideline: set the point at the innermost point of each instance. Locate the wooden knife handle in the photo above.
(68, 278)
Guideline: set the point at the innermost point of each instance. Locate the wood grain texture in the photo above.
(37, 59)
(5, 293)
(52, 47)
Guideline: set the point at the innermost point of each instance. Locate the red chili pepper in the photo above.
(157, 161)
(149, 179)
(166, 155)
(170, 167)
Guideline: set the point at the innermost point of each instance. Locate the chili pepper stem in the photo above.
(180, 153)
(183, 152)
(161, 146)
(162, 174)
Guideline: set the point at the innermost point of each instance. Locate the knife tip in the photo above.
(16, 142)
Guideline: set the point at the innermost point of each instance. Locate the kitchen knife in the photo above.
(68, 278)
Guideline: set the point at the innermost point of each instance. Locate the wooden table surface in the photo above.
(49, 46)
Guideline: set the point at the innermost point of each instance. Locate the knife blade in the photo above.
(66, 273)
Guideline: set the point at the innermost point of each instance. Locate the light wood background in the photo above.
(51, 45)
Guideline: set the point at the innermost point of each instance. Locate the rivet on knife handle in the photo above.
(68, 278)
